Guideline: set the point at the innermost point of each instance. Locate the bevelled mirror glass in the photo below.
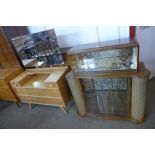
(38, 49)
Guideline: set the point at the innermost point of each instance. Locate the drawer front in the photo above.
(7, 94)
(42, 100)
(3, 83)
(38, 92)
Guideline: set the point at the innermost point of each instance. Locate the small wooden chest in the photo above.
(46, 86)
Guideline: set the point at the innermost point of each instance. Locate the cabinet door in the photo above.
(7, 56)
(7, 94)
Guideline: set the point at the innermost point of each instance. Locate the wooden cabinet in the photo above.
(110, 56)
(7, 56)
(107, 80)
(9, 68)
(46, 86)
(6, 92)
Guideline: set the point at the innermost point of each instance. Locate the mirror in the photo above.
(38, 49)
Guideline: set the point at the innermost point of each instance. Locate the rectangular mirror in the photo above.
(38, 49)
(111, 60)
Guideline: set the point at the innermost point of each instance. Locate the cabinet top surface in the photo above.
(6, 73)
(46, 75)
(106, 45)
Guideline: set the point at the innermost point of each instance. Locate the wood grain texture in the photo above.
(43, 86)
(39, 92)
(10, 67)
(7, 56)
(6, 92)
(77, 93)
(42, 100)
(103, 57)
(103, 46)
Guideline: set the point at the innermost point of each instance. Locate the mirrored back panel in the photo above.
(110, 60)
(39, 49)
(110, 56)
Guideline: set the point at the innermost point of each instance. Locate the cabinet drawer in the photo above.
(38, 92)
(3, 83)
(7, 94)
(42, 100)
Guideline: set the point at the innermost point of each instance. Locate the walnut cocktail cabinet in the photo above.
(116, 96)
(107, 79)
(46, 86)
(110, 56)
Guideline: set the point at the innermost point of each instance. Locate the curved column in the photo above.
(139, 94)
(77, 93)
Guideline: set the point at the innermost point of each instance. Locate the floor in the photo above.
(47, 117)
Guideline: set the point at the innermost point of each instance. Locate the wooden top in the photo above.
(40, 76)
(142, 72)
(102, 46)
(6, 74)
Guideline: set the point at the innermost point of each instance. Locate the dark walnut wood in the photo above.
(116, 55)
(103, 46)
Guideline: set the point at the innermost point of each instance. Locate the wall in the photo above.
(71, 36)
(146, 39)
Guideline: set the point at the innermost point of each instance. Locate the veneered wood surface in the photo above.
(103, 46)
(6, 92)
(7, 56)
(43, 86)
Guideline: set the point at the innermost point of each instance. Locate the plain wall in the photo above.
(68, 36)
(146, 39)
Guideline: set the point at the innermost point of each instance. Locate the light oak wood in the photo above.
(42, 99)
(37, 91)
(75, 57)
(142, 73)
(6, 92)
(7, 56)
(64, 110)
(108, 117)
(46, 86)
(77, 92)
(9, 68)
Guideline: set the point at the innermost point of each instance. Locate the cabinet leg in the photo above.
(30, 106)
(18, 104)
(64, 110)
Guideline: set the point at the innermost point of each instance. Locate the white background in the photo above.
(77, 13)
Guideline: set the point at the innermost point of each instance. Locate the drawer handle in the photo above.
(50, 85)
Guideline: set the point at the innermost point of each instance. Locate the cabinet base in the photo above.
(111, 117)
